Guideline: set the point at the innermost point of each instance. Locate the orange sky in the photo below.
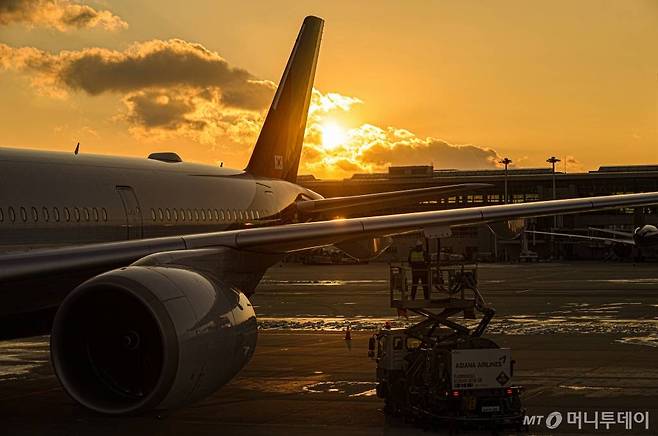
(454, 83)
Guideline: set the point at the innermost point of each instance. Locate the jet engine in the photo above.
(150, 337)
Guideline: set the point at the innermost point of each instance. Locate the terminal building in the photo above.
(523, 185)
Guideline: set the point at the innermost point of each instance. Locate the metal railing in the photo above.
(441, 281)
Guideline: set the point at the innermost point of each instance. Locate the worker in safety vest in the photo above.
(419, 269)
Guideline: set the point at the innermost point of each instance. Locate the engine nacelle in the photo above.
(150, 337)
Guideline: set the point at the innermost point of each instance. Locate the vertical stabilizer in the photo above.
(279, 144)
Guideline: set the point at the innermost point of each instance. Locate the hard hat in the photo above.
(419, 243)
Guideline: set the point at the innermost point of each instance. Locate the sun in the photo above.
(333, 135)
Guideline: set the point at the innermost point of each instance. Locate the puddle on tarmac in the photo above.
(349, 388)
(510, 325)
(644, 281)
(590, 388)
(20, 358)
(610, 391)
(649, 341)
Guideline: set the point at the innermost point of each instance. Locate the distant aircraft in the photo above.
(644, 237)
(141, 269)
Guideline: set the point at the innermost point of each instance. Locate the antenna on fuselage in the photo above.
(77, 149)
(221, 164)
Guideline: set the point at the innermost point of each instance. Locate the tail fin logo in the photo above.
(278, 162)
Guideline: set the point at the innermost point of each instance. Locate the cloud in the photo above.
(176, 88)
(156, 114)
(151, 64)
(370, 148)
(62, 15)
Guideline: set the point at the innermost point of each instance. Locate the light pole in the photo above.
(506, 161)
(553, 160)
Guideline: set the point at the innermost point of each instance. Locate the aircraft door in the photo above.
(133, 212)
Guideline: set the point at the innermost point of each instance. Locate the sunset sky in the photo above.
(456, 84)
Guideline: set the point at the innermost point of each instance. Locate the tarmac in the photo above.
(584, 336)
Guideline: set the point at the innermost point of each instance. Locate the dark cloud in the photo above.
(185, 111)
(162, 109)
(439, 153)
(150, 65)
(60, 14)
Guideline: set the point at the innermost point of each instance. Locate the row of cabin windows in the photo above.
(44, 214)
(482, 198)
(205, 215)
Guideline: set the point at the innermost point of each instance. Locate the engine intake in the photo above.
(146, 337)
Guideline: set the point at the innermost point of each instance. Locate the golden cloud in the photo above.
(369, 148)
(62, 15)
(176, 88)
(151, 64)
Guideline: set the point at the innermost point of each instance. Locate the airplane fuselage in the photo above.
(51, 199)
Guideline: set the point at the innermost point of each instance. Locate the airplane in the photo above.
(141, 269)
(643, 237)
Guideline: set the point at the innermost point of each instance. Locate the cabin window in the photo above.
(23, 214)
(257, 214)
(209, 214)
(2, 216)
(12, 214)
(182, 214)
(216, 215)
(86, 212)
(35, 214)
(95, 211)
(160, 214)
(196, 214)
(175, 213)
(76, 214)
(56, 214)
(67, 214)
(168, 214)
(203, 215)
(46, 216)
(104, 212)
(189, 214)
(153, 214)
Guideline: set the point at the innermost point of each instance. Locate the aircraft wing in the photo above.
(591, 238)
(292, 237)
(369, 202)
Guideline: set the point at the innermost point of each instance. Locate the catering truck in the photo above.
(464, 380)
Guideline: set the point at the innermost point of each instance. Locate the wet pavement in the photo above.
(584, 337)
